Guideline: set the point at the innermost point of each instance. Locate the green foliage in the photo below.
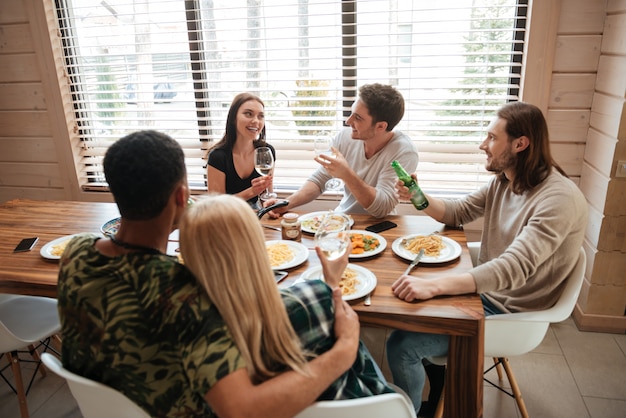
(108, 98)
(312, 107)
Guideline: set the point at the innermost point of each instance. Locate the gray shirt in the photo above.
(375, 171)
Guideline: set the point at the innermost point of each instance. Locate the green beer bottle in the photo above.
(417, 196)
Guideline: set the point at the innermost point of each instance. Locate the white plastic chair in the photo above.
(26, 322)
(515, 334)
(380, 406)
(94, 399)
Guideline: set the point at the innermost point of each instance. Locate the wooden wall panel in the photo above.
(36, 150)
(569, 156)
(614, 40)
(27, 124)
(606, 113)
(31, 175)
(568, 125)
(15, 39)
(19, 68)
(22, 96)
(572, 91)
(600, 151)
(12, 12)
(611, 80)
(615, 205)
(594, 185)
(577, 53)
(582, 16)
(35, 193)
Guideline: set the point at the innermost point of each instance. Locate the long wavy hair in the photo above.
(230, 134)
(222, 243)
(533, 164)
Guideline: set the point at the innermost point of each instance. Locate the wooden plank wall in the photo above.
(602, 304)
(583, 97)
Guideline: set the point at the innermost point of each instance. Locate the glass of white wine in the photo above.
(323, 146)
(264, 164)
(333, 235)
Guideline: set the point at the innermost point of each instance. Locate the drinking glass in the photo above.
(323, 146)
(264, 164)
(333, 235)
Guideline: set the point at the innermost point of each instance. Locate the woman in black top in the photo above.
(231, 160)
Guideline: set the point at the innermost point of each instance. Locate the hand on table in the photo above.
(410, 288)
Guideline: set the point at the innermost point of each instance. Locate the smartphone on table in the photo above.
(381, 226)
(26, 244)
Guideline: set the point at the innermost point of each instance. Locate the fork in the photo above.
(368, 299)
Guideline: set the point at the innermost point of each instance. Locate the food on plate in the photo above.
(432, 244)
(362, 243)
(279, 254)
(348, 282)
(57, 250)
(313, 223)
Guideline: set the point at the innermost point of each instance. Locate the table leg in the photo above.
(464, 377)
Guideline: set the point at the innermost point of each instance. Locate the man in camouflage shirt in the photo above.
(134, 318)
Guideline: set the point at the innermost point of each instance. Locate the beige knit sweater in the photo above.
(530, 242)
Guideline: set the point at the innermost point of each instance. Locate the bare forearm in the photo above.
(284, 395)
(436, 208)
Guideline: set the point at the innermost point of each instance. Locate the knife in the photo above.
(414, 262)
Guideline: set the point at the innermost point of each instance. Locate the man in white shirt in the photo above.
(363, 153)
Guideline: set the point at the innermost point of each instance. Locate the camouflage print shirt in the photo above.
(140, 324)
(312, 315)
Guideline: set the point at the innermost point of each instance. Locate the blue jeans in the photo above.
(406, 350)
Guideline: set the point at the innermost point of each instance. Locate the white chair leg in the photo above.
(515, 388)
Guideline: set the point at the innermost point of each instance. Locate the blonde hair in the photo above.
(223, 245)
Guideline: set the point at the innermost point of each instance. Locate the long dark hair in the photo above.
(535, 162)
(230, 135)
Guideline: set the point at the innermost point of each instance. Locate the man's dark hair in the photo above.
(384, 103)
(142, 170)
(535, 162)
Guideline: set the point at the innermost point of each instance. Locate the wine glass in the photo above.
(323, 146)
(333, 236)
(264, 164)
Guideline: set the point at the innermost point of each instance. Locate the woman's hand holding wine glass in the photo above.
(264, 165)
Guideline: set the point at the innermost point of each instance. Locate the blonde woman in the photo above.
(223, 245)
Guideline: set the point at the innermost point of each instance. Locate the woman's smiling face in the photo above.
(250, 120)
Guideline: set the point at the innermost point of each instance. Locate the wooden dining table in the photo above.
(460, 317)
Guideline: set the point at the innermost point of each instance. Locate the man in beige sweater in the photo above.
(534, 224)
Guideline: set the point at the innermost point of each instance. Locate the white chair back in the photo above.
(380, 406)
(94, 399)
(518, 333)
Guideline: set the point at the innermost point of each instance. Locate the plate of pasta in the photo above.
(437, 248)
(366, 244)
(286, 254)
(356, 281)
(54, 249)
(311, 222)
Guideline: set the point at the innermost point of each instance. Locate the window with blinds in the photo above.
(175, 65)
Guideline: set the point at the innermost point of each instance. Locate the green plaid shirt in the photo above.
(312, 314)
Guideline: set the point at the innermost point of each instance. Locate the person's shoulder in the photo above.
(308, 291)
(218, 153)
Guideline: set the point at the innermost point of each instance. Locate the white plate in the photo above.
(367, 280)
(450, 251)
(46, 250)
(381, 247)
(310, 221)
(300, 254)
(110, 227)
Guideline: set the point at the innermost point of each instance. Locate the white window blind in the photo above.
(175, 65)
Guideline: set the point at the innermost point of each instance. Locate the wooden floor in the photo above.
(572, 374)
